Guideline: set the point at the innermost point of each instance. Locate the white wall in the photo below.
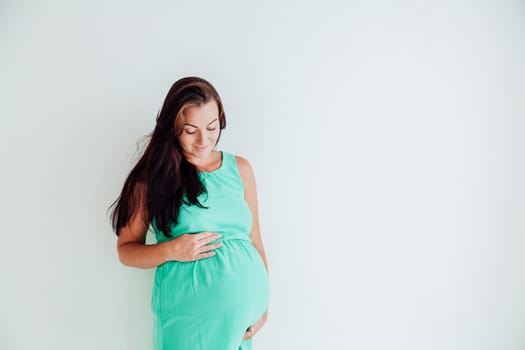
(386, 138)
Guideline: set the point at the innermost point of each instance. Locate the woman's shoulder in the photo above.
(244, 166)
(241, 161)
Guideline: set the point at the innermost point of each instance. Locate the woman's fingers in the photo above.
(250, 332)
(207, 236)
(194, 246)
(204, 255)
(204, 249)
(203, 243)
(209, 247)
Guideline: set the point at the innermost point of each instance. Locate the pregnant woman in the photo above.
(211, 288)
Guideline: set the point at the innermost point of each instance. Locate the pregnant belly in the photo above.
(232, 282)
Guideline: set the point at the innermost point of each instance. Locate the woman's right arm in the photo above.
(132, 248)
(134, 252)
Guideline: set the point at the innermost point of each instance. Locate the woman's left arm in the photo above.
(250, 193)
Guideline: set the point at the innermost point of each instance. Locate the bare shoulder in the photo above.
(245, 170)
(243, 164)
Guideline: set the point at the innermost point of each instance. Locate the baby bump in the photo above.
(233, 280)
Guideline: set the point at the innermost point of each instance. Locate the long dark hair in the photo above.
(162, 176)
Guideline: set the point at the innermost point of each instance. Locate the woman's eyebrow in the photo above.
(198, 127)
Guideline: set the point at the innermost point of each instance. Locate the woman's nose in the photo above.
(201, 138)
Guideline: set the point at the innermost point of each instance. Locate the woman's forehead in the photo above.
(201, 115)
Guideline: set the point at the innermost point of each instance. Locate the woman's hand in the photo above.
(193, 246)
(253, 329)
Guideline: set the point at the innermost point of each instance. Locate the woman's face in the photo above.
(200, 131)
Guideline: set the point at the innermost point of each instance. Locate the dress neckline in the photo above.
(219, 168)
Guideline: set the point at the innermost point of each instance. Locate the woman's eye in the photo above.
(193, 132)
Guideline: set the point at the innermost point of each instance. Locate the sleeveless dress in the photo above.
(209, 303)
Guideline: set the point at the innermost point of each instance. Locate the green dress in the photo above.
(208, 304)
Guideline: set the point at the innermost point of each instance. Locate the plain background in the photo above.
(386, 139)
